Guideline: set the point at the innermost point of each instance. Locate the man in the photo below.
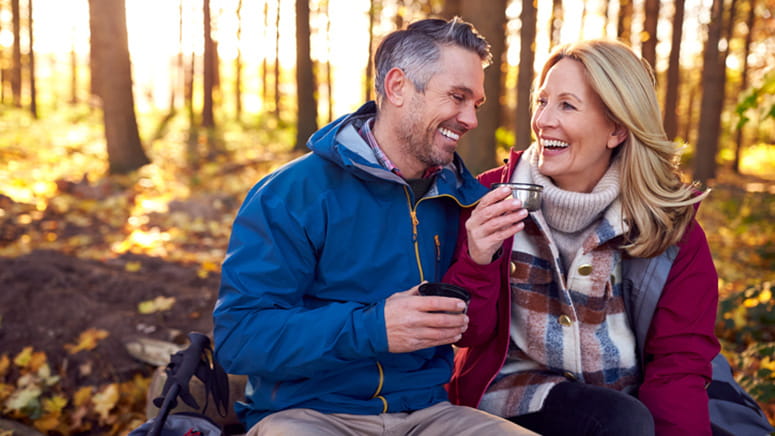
(318, 302)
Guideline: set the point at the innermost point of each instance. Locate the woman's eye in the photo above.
(540, 102)
(566, 105)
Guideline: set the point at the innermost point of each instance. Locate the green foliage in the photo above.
(754, 99)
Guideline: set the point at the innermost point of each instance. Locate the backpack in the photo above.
(730, 406)
(196, 360)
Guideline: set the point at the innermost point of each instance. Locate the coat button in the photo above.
(585, 269)
(565, 320)
(513, 268)
(570, 376)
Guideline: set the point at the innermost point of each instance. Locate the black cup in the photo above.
(440, 289)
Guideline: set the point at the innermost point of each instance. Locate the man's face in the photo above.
(432, 123)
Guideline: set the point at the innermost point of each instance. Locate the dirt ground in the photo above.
(47, 299)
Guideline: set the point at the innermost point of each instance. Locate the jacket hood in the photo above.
(341, 143)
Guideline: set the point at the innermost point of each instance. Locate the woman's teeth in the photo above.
(553, 143)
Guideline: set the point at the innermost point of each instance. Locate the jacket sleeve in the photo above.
(482, 281)
(262, 325)
(681, 342)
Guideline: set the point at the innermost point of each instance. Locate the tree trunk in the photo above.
(712, 100)
(525, 75)
(277, 63)
(238, 66)
(112, 68)
(368, 85)
(477, 147)
(16, 63)
(750, 21)
(33, 88)
(306, 100)
(452, 8)
(73, 75)
(264, 73)
(674, 73)
(208, 120)
(555, 23)
(624, 23)
(329, 71)
(649, 45)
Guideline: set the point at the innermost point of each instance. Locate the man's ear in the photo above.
(618, 135)
(396, 84)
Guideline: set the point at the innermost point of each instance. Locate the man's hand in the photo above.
(497, 217)
(413, 321)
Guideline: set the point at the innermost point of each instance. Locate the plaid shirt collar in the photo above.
(382, 158)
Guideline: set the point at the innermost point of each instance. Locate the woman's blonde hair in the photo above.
(657, 204)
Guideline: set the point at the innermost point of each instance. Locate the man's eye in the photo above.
(457, 97)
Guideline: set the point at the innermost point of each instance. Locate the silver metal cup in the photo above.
(528, 193)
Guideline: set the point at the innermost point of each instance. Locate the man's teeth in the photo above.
(449, 133)
(553, 143)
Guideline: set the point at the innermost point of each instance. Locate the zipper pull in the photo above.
(415, 223)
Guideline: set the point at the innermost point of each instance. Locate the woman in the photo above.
(549, 343)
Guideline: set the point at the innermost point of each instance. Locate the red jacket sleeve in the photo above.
(681, 342)
(482, 281)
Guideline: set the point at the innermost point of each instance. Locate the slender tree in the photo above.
(73, 74)
(238, 65)
(674, 72)
(277, 96)
(208, 120)
(306, 101)
(709, 126)
(368, 85)
(649, 36)
(329, 70)
(555, 23)
(111, 67)
(31, 63)
(16, 64)
(477, 147)
(264, 73)
(624, 21)
(525, 75)
(749, 23)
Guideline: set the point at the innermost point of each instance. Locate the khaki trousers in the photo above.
(443, 419)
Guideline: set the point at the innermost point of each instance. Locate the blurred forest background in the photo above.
(130, 132)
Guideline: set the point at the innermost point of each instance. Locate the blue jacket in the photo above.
(315, 249)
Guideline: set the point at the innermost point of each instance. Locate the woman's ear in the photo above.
(618, 135)
(395, 86)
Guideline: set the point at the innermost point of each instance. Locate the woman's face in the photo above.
(575, 136)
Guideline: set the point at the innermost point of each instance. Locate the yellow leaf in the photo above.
(765, 295)
(105, 400)
(88, 340)
(82, 396)
(5, 363)
(55, 404)
(133, 266)
(22, 360)
(37, 360)
(47, 423)
(158, 304)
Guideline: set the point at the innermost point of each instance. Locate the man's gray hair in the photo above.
(417, 49)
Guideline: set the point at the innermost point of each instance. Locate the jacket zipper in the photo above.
(379, 388)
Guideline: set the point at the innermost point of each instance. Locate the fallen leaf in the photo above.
(158, 304)
(105, 400)
(88, 340)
